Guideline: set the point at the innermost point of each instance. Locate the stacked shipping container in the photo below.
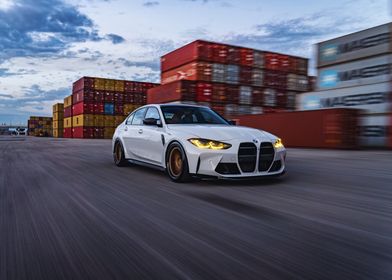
(230, 79)
(355, 71)
(67, 132)
(58, 120)
(99, 105)
(40, 126)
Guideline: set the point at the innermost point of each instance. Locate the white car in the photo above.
(188, 141)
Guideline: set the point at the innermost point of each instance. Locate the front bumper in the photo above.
(226, 164)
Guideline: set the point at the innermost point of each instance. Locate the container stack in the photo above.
(67, 132)
(100, 105)
(40, 126)
(354, 71)
(232, 80)
(58, 120)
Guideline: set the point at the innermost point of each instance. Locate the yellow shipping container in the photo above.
(58, 107)
(68, 101)
(58, 116)
(68, 122)
(57, 133)
(119, 86)
(119, 120)
(58, 125)
(109, 84)
(99, 84)
(110, 121)
(108, 132)
(83, 120)
(99, 120)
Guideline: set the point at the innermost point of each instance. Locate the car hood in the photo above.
(221, 132)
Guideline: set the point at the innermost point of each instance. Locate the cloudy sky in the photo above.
(45, 45)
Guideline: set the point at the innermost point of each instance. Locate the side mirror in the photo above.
(232, 122)
(152, 121)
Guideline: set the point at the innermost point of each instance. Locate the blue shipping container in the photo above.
(109, 109)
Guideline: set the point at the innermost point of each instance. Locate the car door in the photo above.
(132, 134)
(152, 145)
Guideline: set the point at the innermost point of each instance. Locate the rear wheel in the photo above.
(118, 155)
(177, 163)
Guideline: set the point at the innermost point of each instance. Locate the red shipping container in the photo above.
(281, 98)
(119, 97)
(232, 94)
(99, 108)
(176, 91)
(233, 55)
(246, 57)
(257, 96)
(85, 95)
(219, 53)
(219, 108)
(83, 108)
(68, 112)
(83, 83)
(119, 110)
(275, 79)
(83, 132)
(203, 92)
(246, 75)
(99, 132)
(99, 96)
(219, 93)
(67, 132)
(109, 96)
(194, 71)
(330, 128)
(197, 50)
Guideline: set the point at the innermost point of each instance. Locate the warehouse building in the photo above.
(354, 71)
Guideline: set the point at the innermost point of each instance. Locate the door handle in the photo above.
(140, 131)
(126, 128)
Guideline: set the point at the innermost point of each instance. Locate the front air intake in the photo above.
(247, 155)
(266, 156)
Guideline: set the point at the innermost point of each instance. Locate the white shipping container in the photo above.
(374, 98)
(232, 74)
(218, 73)
(258, 59)
(374, 130)
(245, 95)
(244, 110)
(256, 110)
(257, 77)
(297, 82)
(231, 109)
(270, 97)
(368, 71)
(358, 45)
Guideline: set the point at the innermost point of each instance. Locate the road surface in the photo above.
(67, 212)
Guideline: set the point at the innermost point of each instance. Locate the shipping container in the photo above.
(374, 130)
(58, 125)
(58, 116)
(270, 98)
(58, 107)
(83, 108)
(67, 112)
(68, 101)
(361, 72)
(374, 98)
(58, 133)
(83, 120)
(108, 132)
(83, 132)
(218, 73)
(232, 74)
(176, 91)
(67, 132)
(109, 109)
(84, 83)
(366, 43)
(330, 128)
(68, 122)
(245, 96)
(195, 71)
(297, 82)
(83, 95)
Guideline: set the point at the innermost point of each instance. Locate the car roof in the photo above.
(177, 104)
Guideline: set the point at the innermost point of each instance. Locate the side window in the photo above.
(152, 113)
(129, 119)
(138, 117)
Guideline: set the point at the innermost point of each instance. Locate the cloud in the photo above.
(44, 28)
(151, 3)
(2, 95)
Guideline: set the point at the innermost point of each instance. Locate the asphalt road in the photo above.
(67, 212)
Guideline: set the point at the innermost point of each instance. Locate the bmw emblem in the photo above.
(255, 141)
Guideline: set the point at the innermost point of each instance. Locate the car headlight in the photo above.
(209, 144)
(278, 143)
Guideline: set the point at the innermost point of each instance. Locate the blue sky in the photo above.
(45, 45)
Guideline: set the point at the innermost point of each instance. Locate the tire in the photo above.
(177, 163)
(118, 155)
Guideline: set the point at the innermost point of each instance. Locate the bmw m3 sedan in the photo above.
(194, 141)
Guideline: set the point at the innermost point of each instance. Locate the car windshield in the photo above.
(191, 115)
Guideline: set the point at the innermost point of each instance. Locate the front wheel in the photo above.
(118, 155)
(177, 163)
